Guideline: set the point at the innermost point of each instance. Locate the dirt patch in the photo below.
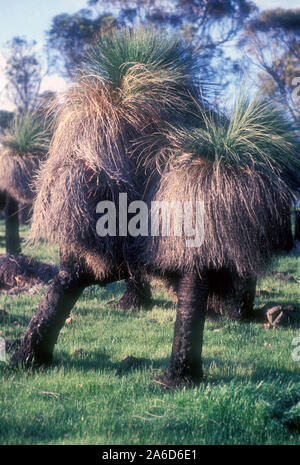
(283, 276)
(20, 273)
(274, 314)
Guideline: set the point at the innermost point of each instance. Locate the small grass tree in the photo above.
(24, 144)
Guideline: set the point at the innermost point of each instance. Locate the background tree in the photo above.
(272, 41)
(214, 22)
(23, 71)
(5, 118)
(24, 145)
(210, 24)
(70, 35)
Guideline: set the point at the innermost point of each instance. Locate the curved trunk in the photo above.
(38, 343)
(13, 243)
(185, 363)
(137, 293)
(42, 332)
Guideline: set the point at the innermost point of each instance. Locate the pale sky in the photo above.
(31, 18)
(267, 4)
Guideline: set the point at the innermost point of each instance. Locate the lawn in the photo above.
(101, 388)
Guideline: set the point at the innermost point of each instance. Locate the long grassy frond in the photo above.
(144, 65)
(27, 135)
(257, 136)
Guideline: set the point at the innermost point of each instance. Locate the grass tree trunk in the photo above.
(38, 343)
(13, 242)
(137, 293)
(289, 241)
(230, 295)
(25, 214)
(2, 201)
(186, 363)
(297, 225)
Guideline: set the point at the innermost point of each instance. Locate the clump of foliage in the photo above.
(28, 134)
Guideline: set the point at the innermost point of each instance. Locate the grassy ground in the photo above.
(251, 393)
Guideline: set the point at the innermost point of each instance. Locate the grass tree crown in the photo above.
(257, 136)
(244, 168)
(28, 134)
(145, 64)
(131, 82)
(25, 144)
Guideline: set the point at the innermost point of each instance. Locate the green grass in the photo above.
(251, 393)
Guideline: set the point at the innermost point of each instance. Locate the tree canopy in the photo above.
(5, 119)
(70, 35)
(272, 41)
(213, 22)
(209, 24)
(23, 71)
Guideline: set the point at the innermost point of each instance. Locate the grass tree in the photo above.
(245, 167)
(122, 129)
(257, 135)
(24, 144)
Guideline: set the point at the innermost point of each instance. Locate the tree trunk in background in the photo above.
(2, 200)
(230, 295)
(13, 243)
(24, 214)
(137, 293)
(288, 240)
(297, 225)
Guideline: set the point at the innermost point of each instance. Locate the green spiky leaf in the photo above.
(145, 63)
(27, 135)
(257, 136)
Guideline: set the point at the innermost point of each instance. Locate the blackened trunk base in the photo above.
(186, 364)
(230, 295)
(297, 225)
(13, 243)
(38, 343)
(137, 294)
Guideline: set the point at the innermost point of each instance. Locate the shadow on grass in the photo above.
(259, 373)
(284, 409)
(166, 304)
(111, 308)
(37, 428)
(20, 320)
(99, 360)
